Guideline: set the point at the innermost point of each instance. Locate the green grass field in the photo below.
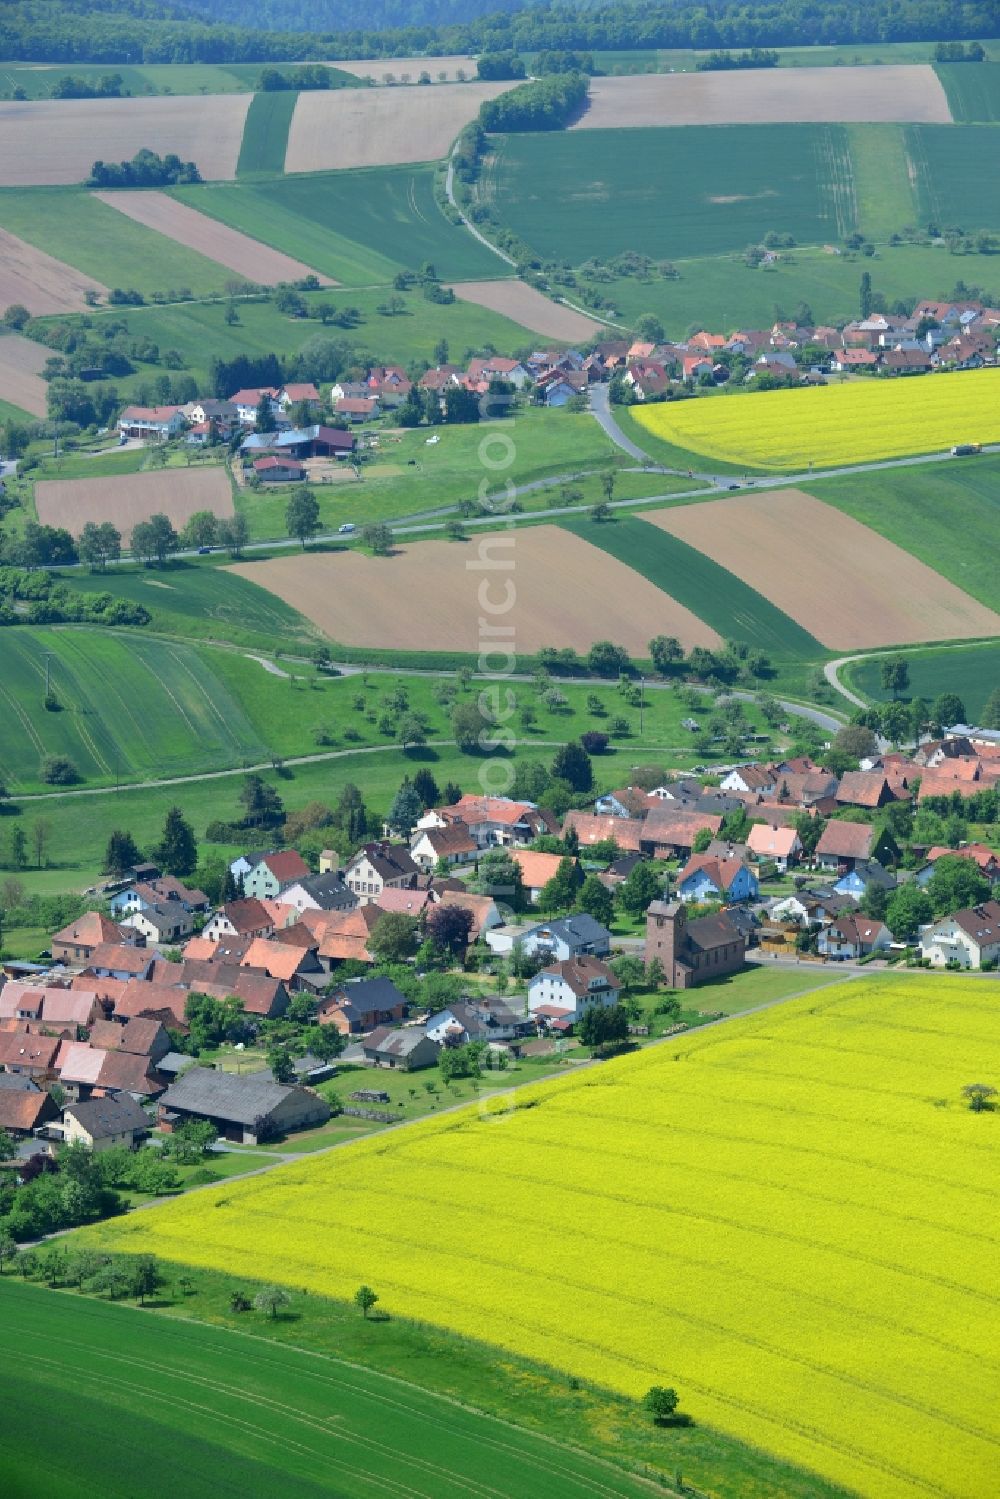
(882, 188)
(359, 227)
(199, 331)
(972, 671)
(411, 476)
(76, 227)
(204, 602)
(956, 178)
(944, 513)
(148, 78)
(672, 193)
(134, 706)
(205, 1412)
(973, 90)
(722, 292)
(265, 133)
(668, 453)
(9, 413)
(714, 594)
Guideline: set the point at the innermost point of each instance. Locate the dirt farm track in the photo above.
(56, 141)
(847, 585)
(127, 499)
(770, 96)
(544, 586)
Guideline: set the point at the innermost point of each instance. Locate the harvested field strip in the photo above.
(524, 305)
(227, 247)
(21, 362)
(835, 577)
(432, 593)
(726, 603)
(80, 230)
(794, 1203)
(793, 96)
(265, 133)
(408, 69)
(833, 425)
(381, 127)
(40, 282)
(126, 499)
(58, 140)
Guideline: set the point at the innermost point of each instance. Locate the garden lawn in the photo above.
(941, 512)
(74, 226)
(731, 607)
(792, 1202)
(359, 227)
(835, 425)
(972, 671)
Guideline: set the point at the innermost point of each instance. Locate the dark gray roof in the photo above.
(873, 873)
(222, 1095)
(397, 1043)
(102, 1117)
(174, 1061)
(324, 887)
(708, 932)
(366, 995)
(574, 929)
(16, 1082)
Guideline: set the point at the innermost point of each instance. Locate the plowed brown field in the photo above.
(380, 127)
(39, 281)
(546, 587)
(524, 305)
(127, 499)
(379, 67)
(51, 141)
(228, 247)
(844, 583)
(21, 361)
(769, 96)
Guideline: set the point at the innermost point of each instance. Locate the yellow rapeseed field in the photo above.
(791, 1218)
(831, 425)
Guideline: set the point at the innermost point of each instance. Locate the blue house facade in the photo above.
(709, 879)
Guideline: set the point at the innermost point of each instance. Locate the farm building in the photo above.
(300, 442)
(278, 471)
(105, 1124)
(241, 1108)
(405, 1050)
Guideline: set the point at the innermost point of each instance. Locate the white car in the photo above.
(346, 528)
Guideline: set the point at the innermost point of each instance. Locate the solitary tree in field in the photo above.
(980, 1096)
(895, 675)
(365, 1298)
(302, 514)
(271, 1299)
(661, 1402)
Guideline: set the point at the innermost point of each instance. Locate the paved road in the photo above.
(600, 406)
(449, 187)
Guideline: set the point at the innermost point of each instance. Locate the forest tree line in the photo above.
(137, 31)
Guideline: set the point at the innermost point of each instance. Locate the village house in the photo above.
(984, 858)
(360, 1005)
(492, 821)
(668, 832)
(247, 402)
(357, 408)
(274, 470)
(151, 423)
(245, 1109)
(624, 832)
(166, 922)
(966, 939)
(844, 844)
(485, 911)
(295, 967)
(239, 918)
(213, 414)
(118, 960)
(105, 1123)
(320, 892)
(432, 848)
(853, 936)
(139, 1036)
(25, 1055)
(56, 1009)
(569, 937)
(692, 953)
(273, 872)
(24, 1106)
(560, 994)
(865, 875)
(378, 866)
(536, 870)
(707, 878)
(486, 1019)
(145, 893)
(76, 942)
(779, 846)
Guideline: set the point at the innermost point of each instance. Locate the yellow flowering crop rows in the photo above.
(831, 425)
(791, 1218)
